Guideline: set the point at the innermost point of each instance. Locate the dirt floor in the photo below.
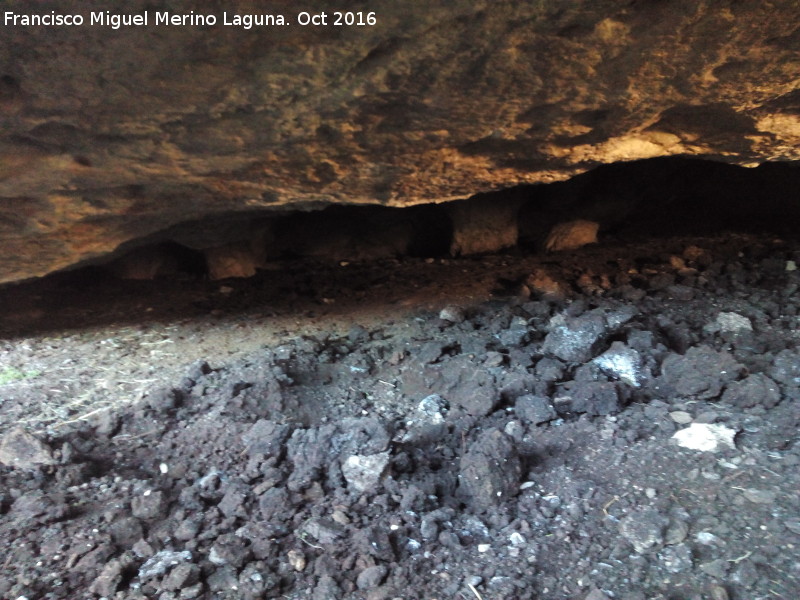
(617, 422)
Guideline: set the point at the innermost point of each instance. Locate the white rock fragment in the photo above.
(729, 322)
(514, 429)
(706, 437)
(483, 548)
(791, 265)
(431, 407)
(161, 562)
(623, 363)
(572, 235)
(681, 417)
(363, 472)
(708, 539)
(216, 558)
(427, 424)
(452, 314)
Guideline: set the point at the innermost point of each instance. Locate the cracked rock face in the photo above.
(110, 135)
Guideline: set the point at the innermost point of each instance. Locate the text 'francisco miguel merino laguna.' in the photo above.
(116, 21)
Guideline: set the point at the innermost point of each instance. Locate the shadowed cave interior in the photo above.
(586, 390)
(658, 198)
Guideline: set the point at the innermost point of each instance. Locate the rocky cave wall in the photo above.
(108, 136)
(624, 202)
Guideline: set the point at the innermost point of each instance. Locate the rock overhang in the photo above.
(109, 135)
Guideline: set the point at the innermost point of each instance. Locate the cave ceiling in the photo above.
(110, 134)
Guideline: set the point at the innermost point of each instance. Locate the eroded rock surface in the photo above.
(111, 135)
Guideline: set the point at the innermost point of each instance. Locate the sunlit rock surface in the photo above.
(109, 135)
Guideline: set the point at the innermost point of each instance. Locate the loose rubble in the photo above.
(633, 439)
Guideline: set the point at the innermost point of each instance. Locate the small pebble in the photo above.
(297, 560)
(719, 593)
(760, 496)
(452, 314)
(340, 517)
(681, 417)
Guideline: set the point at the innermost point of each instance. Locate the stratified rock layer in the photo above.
(110, 135)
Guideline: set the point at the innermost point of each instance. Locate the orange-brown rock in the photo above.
(109, 134)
